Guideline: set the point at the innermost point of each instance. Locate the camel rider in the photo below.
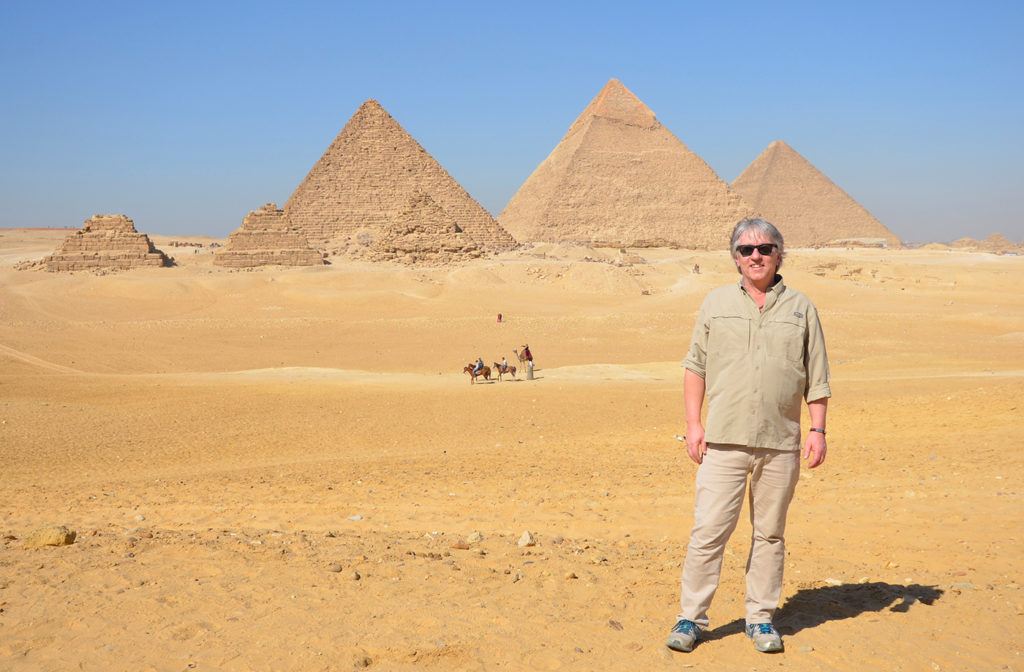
(479, 365)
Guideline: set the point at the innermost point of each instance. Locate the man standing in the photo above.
(757, 351)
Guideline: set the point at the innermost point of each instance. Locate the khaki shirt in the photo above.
(758, 365)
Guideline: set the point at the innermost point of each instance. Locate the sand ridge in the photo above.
(285, 468)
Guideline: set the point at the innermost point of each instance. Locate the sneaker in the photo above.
(684, 636)
(765, 637)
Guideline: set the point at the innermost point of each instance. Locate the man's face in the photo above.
(757, 269)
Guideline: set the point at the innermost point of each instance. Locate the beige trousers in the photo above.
(721, 483)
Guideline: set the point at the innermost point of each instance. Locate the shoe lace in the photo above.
(684, 627)
(764, 628)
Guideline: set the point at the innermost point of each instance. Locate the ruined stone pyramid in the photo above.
(267, 238)
(808, 208)
(998, 244)
(367, 175)
(105, 242)
(423, 233)
(619, 178)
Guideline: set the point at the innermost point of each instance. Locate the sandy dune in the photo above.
(282, 469)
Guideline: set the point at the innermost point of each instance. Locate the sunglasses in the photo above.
(764, 248)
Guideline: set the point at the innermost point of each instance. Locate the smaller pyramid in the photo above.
(618, 178)
(267, 238)
(105, 242)
(423, 233)
(806, 206)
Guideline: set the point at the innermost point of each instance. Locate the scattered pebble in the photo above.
(527, 540)
(335, 567)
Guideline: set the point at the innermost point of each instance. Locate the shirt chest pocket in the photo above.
(728, 335)
(784, 339)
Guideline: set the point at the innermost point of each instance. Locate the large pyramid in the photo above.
(368, 175)
(807, 207)
(620, 178)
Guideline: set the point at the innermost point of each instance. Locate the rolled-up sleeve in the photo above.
(816, 360)
(697, 357)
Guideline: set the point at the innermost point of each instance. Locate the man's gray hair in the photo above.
(762, 226)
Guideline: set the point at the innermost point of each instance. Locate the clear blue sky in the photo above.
(187, 115)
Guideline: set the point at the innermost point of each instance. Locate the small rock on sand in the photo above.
(50, 536)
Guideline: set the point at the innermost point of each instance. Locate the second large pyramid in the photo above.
(619, 178)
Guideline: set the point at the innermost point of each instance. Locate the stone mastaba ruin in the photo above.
(620, 179)
(423, 233)
(367, 176)
(106, 242)
(806, 206)
(267, 238)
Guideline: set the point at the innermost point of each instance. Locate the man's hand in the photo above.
(814, 449)
(696, 448)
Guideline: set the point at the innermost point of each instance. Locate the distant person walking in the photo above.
(757, 351)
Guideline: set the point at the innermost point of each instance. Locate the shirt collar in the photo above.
(777, 285)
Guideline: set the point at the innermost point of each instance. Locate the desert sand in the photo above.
(286, 469)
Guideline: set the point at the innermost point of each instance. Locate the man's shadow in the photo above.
(810, 607)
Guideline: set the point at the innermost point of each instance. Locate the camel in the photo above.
(504, 369)
(521, 358)
(484, 372)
